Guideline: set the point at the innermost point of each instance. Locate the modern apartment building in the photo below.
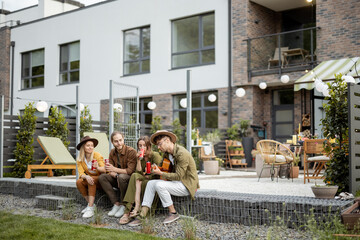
(227, 45)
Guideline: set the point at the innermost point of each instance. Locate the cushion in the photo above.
(56, 150)
(319, 158)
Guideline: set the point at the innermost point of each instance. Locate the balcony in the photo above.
(282, 52)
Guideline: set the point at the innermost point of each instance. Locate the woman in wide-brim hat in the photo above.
(90, 165)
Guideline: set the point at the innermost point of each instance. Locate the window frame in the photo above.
(141, 57)
(69, 70)
(201, 47)
(30, 76)
(142, 111)
(203, 109)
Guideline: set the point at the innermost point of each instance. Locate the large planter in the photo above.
(211, 167)
(294, 172)
(327, 192)
(248, 143)
(351, 216)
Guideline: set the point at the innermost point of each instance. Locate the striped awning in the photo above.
(327, 70)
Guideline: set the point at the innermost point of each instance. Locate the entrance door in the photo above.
(283, 114)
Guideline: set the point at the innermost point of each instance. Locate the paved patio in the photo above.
(239, 181)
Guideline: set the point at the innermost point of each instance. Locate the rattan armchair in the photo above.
(274, 154)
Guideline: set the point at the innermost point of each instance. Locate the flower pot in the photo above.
(294, 172)
(327, 192)
(351, 216)
(211, 167)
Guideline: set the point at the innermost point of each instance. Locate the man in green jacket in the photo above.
(182, 181)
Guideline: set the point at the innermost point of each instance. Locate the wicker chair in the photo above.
(274, 154)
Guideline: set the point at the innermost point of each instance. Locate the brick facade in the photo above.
(339, 36)
(164, 107)
(5, 65)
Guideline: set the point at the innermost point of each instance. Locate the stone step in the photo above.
(52, 202)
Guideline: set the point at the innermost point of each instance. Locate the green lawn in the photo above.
(27, 227)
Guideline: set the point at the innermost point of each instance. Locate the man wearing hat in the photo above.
(122, 163)
(182, 181)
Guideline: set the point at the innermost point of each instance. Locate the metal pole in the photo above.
(1, 136)
(77, 125)
(137, 134)
(12, 78)
(111, 112)
(188, 111)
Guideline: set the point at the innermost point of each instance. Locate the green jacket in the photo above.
(185, 169)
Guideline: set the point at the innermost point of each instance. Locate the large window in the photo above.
(145, 112)
(193, 41)
(32, 69)
(204, 111)
(137, 51)
(283, 114)
(70, 63)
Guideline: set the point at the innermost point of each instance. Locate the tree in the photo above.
(335, 126)
(24, 150)
(155, 124)
(85, 121)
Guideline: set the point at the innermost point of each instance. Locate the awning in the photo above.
(326, 70)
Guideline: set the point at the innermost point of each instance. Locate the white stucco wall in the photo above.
(100, 31)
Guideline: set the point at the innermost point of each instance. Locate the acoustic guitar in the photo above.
(166, 167)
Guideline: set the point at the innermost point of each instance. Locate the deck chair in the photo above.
(57, 153)
(275, 60)
(274, 154)
(103, 145)
(207, 152)
(314, 147)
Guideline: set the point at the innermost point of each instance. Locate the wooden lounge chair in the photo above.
(57, 153)
(103, 145)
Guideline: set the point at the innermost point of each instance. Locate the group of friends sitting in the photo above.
(128, 171)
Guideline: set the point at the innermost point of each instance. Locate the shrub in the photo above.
(233, 132)
(58, 126)
(155, 124)
(178, 130)
(85, 121)
(24, 150)
(335, 126)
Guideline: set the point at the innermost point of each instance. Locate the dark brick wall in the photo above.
(339, 35)
(5, 64)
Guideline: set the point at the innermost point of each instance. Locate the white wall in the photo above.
(101, 50)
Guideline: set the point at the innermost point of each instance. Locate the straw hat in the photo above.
(163, 133)
(86, 139)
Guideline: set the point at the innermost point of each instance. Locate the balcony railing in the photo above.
(282, 52)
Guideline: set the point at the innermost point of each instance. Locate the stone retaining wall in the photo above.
(210, 205)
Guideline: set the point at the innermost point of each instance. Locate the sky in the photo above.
(13, 5)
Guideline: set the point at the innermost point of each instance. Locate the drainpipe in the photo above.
(12, 77)
(230, 66)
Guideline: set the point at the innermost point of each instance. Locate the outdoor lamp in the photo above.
(212, 98)
(263, 85)
(41, 106)
(151, 105)
(319, 85)
(183, 102)
(284, 79)
(348, 79)
(118, 107)
(82, 107)
(240, 92)
(325, 90)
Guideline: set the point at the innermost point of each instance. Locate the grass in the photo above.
(28, 227)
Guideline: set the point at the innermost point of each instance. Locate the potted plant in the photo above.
(327, 191)
(247, 142)
(295, 164)
(211, 167)
(233, 132)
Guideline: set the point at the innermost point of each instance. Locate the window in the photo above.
(145, 112)
(204, 111)
(193, 41)
(283, 114)
(137, 51)
(32, 69)
(70, 63)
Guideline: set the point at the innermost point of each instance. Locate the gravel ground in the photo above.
(204, 230)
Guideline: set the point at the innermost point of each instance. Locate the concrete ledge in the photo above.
(210, 205)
